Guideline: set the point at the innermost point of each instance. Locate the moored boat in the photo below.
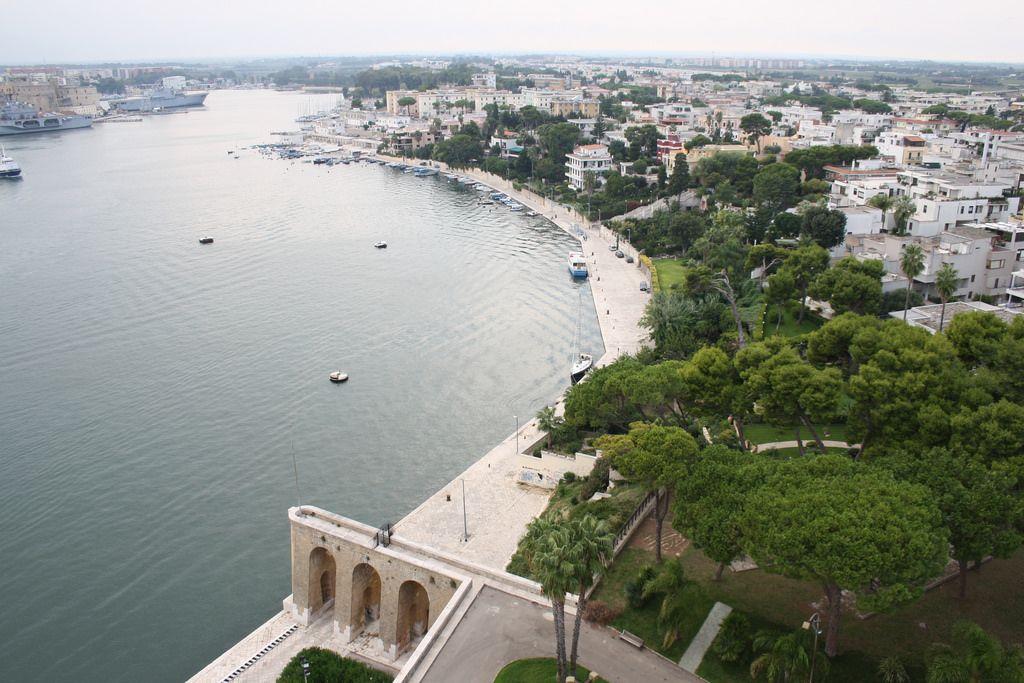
(338, 377)
(577, 264)
(381, 244)
(205, 240)
(581, 367)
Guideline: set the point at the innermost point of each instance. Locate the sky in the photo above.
(62, 31)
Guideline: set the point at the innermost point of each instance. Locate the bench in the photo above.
(632, 639)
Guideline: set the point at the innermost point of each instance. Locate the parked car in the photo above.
(619, 254)
(613, 247)
(629, 259)
(644, 287)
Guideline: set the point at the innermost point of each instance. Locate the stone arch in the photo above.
(365, 598)
(322, 576)
(413, 613)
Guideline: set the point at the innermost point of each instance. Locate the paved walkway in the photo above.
(498, 509)
(672, 542)
(808, 443)
(499, 628)
(694, 654)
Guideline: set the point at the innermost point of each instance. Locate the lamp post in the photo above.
(305, 669)
(515, 437)
(813, 624)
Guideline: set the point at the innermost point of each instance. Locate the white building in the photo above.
(587, 159)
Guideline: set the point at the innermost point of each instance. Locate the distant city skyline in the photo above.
(188, 30)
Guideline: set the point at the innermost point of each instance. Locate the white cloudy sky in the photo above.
(98, 30)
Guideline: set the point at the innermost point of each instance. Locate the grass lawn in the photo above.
(670, 272)
(766, 433)
(643, 621)
(995, 601)
(540, 670)
(789, 327)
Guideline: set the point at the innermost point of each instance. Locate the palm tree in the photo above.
(589, 550)
(891, 670)
(975, 656)
(783, 657)
(912, 265)
(545, 548)
(883, 202)
(547, 422)
(903, 208)
(677, 597)
(946, 281)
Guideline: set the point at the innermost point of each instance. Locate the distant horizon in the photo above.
(469, 55)
(66, 31)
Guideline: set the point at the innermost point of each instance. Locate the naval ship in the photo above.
(159, 99)
(17, 118)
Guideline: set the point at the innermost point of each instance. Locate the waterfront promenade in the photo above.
(497, 507)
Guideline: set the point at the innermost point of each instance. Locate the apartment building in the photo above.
(587, 159)
(948, 198)
(983, 263)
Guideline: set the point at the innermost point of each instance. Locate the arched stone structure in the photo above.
(388, 593)
(365, 611)
(322, 579)
(413, 613)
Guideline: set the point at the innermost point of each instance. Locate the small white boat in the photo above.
(380, 245)
(338, 377)
(8, 167)
(581, 367)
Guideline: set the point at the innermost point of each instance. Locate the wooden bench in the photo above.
(632, 639)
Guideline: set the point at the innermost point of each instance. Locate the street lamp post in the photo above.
(813, 624)
(515, 437)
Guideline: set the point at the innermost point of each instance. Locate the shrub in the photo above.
(569, 477)
(735, 640)
(329, 667)
(634, 588)
(598, 612)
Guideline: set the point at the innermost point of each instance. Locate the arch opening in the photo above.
(413, 613)
(322, 573)
(365, 615)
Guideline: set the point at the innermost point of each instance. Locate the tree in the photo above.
(677, 597)
(680, 178)
(804, 265)
(547, 422)
(406, 102)
(827, 227)
(756, 126)
(947, 280)
(911, 265)
(643, 140)
(558, 140)
(458, 151)
(783, 657)
(698, 140)
(711, 387)
(710, 498)
(545, 548)
(872, 106)
(781, 290)
(883, 202)
(851, 285)
(787, 389)
(974, 657)
(590, 547)
(776, 186)
(979, 506)
(903, 208)
(831, 520)
(654, 456)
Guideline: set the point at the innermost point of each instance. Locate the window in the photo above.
(996, 263)
(972, 278)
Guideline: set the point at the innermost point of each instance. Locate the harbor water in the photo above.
(158, 395)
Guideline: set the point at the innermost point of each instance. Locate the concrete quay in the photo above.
(497, 507)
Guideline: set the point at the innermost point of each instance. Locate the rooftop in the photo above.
(928, 316)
